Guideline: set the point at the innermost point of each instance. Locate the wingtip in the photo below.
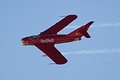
(62, 62)
(73, 15)
(91, 21)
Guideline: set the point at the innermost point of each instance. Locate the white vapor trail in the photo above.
(117, 24)
(97, 51)
(108, 25)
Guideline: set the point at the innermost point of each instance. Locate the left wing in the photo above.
(52, 53)
(59, 25)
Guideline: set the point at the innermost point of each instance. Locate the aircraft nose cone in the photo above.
(24, 41)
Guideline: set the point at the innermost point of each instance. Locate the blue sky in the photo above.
(89, 59)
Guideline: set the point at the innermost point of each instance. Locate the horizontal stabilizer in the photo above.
(84, 33)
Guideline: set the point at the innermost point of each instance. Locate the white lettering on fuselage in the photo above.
(47, 40)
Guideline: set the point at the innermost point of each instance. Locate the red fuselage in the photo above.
(44, 39)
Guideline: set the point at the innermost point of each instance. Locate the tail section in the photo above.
(82, 31)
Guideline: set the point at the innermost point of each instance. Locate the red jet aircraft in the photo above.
(46, 40)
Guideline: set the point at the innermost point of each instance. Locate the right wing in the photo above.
(59, 25)
(52, 53)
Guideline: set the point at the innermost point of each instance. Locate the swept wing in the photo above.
(52, 53)
(59, 25)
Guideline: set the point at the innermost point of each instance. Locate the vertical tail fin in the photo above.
(82, 31)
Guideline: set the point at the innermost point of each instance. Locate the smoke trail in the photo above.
(117, 24)
(98, 51)
(107, 25)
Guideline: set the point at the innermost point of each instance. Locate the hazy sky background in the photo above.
(97, 58)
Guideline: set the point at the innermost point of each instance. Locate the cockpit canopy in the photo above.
(34, 36)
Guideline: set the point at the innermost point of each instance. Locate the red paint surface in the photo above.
(46, 40)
